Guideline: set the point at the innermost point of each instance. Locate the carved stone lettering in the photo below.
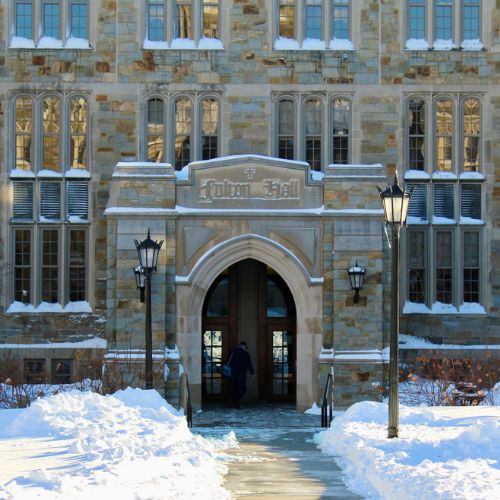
(269, 189)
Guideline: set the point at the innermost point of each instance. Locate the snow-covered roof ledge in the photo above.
(371, 172)
(91, 343)
(133, 354)
(139, 211)
(410, 342)
(143, 169)
(354, 356)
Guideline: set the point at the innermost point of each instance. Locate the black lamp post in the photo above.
(147, 253)
(396, 200)
(356, 276)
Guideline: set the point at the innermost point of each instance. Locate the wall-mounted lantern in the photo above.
(356, 276)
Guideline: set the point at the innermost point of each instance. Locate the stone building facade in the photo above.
(250, 136)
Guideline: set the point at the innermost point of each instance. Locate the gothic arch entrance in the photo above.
(192, 289)
(250, 301)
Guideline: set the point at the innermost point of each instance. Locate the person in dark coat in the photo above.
(240, 364)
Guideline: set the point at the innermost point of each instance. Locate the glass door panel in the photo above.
(282, 347)
(213, 352)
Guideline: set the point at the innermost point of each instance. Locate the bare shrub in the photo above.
(440, 378)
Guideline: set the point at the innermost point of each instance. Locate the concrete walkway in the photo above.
(277, 457)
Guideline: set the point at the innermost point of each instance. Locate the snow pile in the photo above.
(442, 452)
(130, 445)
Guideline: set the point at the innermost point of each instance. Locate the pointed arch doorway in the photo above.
(250, 301)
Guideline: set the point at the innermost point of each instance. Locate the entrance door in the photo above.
(250, 301)
(279, 384)
(214, 355)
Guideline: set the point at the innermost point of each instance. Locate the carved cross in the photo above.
(250, 172)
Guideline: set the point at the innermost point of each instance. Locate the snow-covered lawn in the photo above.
(129, 445)
(445, 452)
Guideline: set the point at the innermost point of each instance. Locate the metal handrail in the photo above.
(185, 399)
(327, 402)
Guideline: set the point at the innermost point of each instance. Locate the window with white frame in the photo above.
(50, 24)
(444, 270)
(182, 24)
(443, 24)
(313, 128)
(182, 128)
(49, 180)
(313, 25)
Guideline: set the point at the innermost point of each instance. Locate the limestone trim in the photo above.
(236, 244)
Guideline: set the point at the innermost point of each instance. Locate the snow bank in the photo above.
(442, 452)
(130, 445)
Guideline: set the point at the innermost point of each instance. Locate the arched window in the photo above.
(286, 129)
(217, 302)
(209, 128)
(416, 134)
(78, 130)
(279, 301)
(443, 118)
(472, 134)
(24, 133)
(183, 128)
(155, 130)
(313, 131)
(51, 116)
(340, 130)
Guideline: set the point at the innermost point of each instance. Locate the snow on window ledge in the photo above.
(472, 176)
(417, 44)
(78, 307)
(210, 44)
(442, 220)
(49, 173)
(45, 307)
(313, 44)
(47, 42)
(441, 308)
(75, 219)
(444, 176)
(472, 45)
(471, 308)
(415, 308)
(77, 43)
(416, 174)
(18, 173)
(412, 220)
(154, 45)
(78, 173)
(19, 42)
(282, 43)
(443, 45)
(469, 220)
(340, 44)
(184, 44)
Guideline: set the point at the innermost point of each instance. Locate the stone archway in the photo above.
(307, 293)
